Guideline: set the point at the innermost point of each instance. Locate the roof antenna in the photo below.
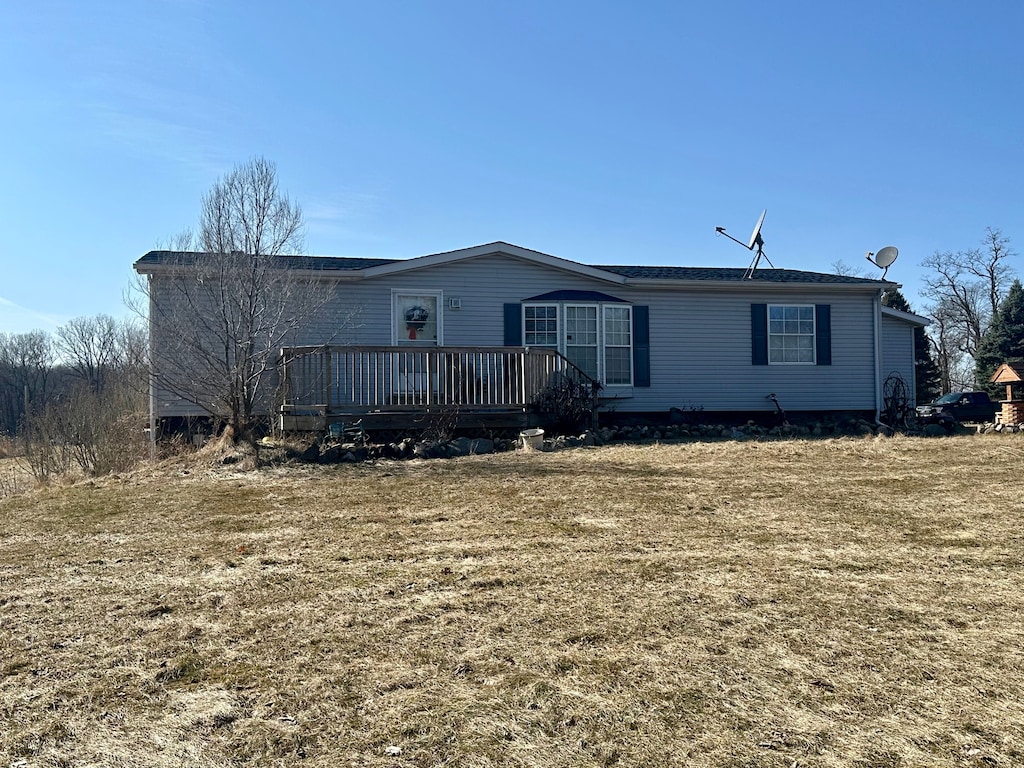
(755, 239)
(884, 259)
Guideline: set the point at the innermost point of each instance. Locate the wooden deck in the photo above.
(402, 388)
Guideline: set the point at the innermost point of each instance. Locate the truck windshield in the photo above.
(952, 397)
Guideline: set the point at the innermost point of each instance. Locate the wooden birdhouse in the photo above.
(1009, 373)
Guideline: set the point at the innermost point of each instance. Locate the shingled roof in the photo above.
(333, 263)
(352, 265)
(731, 274)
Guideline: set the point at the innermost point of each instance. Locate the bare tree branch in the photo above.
(965, 288)
(218, 318)
(840, 267)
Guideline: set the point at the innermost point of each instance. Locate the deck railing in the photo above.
(356, 379)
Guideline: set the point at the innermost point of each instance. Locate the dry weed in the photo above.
(15, 476)
(797, 603)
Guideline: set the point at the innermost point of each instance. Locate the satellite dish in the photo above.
(755, 236)
(755, 240)
(884, 259)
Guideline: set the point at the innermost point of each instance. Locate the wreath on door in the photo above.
(415, 320)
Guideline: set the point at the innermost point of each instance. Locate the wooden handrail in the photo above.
(360, 377)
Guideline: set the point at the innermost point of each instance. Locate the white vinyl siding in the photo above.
(699, 334)
(898, 353)
(790, 334)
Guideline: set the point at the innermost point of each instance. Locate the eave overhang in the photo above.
(907, 317)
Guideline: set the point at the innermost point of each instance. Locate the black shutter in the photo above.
(641, 347)
(759, 334)
(513, 325)
(823, 334)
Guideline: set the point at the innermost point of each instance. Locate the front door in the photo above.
(416, 323)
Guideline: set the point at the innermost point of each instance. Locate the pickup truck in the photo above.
(959, 406)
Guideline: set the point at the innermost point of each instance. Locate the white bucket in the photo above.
(532, 439)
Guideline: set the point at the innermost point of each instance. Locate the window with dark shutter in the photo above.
(759, 334)
(823, 334)
(791, 334)
(513, 325)
(641, 347)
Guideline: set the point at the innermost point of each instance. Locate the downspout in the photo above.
(152, 377)
(877, 306)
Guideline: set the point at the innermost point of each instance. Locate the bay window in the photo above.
(597, 338)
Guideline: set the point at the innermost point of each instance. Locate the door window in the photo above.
(417, 318)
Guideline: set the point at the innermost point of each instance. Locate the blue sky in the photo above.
(597, 131)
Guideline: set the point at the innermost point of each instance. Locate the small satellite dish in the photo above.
(884, 259)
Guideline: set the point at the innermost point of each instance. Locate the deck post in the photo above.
(327, 380)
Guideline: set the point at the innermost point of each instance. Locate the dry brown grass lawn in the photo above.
(855, 602)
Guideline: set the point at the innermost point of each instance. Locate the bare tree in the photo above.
(946, 334)
(26, 368)
(219, 317)
(94, 416)
(989, 265)
(840, 267)
(965, 288)
(87, 345)
(960, 298)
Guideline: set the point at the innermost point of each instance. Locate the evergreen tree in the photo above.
(895, 300)
(926, 372)
(1003, 340)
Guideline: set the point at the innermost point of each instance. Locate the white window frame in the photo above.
(396, 338)
(597, 346)
(813, 335)
(604, 343)
(601, 347)
(558, 323)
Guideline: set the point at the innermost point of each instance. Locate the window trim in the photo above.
(558, 323)
(396, 339)
(813, 334)
(630, 347)
(601, 334)
(597, 346)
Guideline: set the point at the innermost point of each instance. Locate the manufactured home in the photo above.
(484, 329)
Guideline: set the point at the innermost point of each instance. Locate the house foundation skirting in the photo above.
(412, 420)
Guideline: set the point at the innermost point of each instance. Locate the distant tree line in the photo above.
(76, 399)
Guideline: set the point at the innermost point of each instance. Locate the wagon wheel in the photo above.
(895, 401)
